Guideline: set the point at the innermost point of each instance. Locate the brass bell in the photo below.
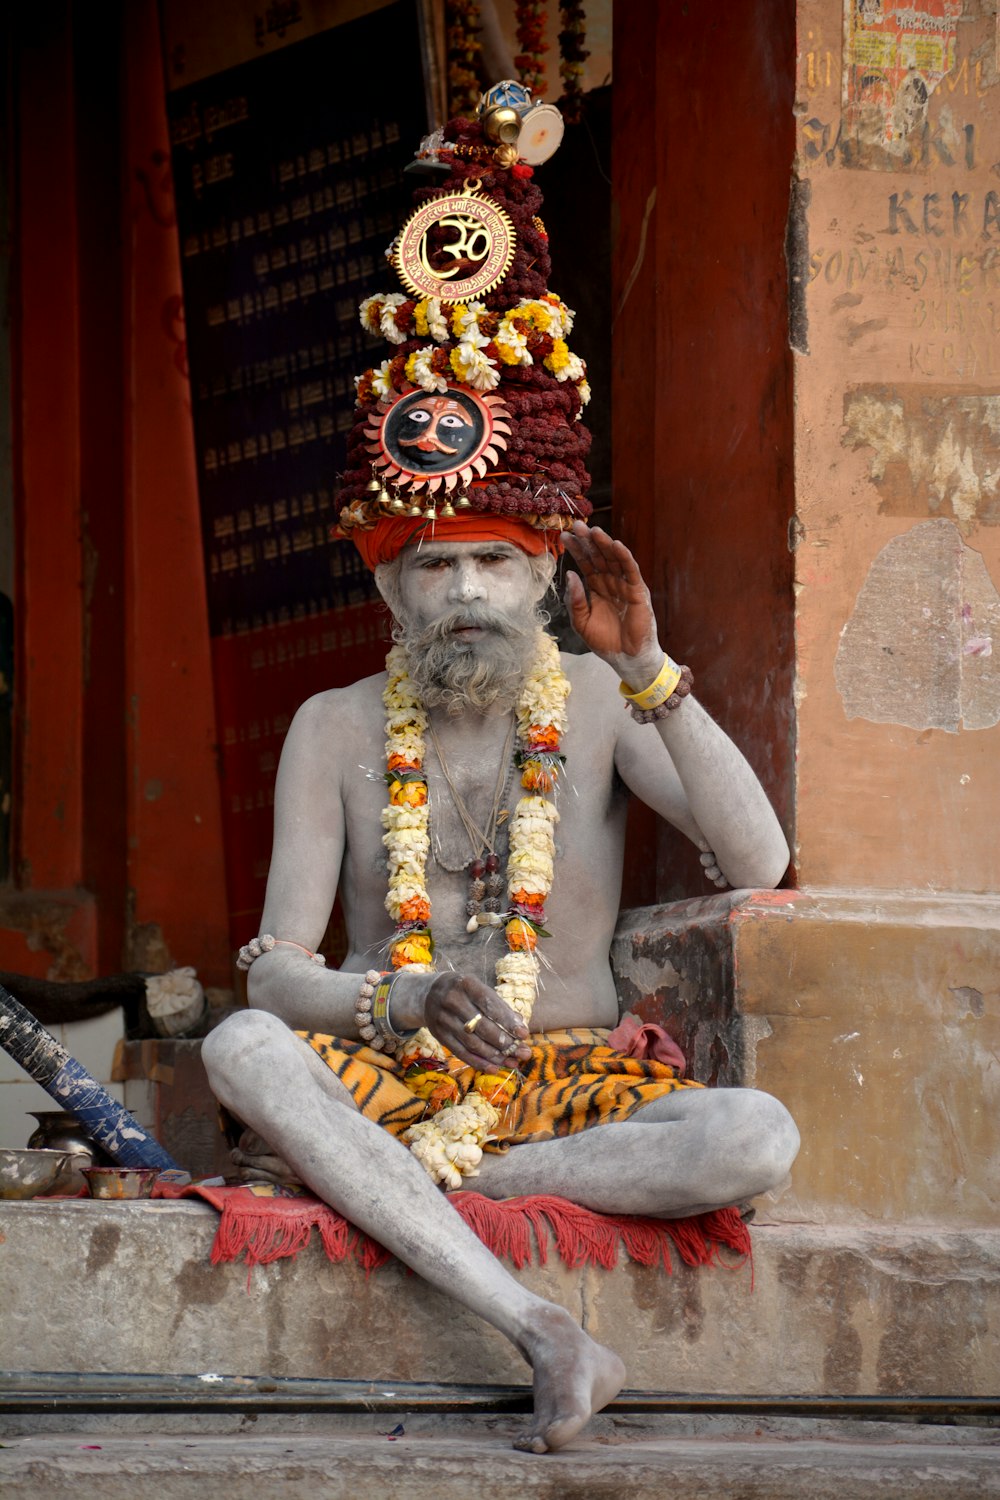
(447, 511)
(463, 502)
(430, 514)
(502, 125)
(374, 485)
(414, 510)
(384, 498)
(398, 504)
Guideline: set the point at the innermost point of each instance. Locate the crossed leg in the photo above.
(278, 1085)
(681, 1154)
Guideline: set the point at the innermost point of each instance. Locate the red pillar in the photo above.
(118, 842)
(48, 825)
(175, 857)
(703, 148)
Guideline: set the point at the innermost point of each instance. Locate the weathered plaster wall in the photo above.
(895, 267)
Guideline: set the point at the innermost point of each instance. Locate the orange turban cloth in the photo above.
(387, 538)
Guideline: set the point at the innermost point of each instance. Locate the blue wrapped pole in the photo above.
(109, 1123)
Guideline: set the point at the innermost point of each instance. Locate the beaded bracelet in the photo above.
(372, 1014)
(251, 951)
(363, 1006)
(648, 715)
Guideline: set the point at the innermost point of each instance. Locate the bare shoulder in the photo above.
(334, 728)
(339, 708)
(594, 687)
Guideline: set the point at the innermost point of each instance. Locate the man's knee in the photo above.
(227, 1049)
(769, 1138)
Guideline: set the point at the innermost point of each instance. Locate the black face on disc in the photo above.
(425, 433)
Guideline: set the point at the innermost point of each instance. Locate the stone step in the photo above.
(128, 1287)
(453, 1458)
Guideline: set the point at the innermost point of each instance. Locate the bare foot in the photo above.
(574, 1378)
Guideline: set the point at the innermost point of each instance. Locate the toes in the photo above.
(533, 1442)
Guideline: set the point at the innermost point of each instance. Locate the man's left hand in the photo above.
(470, 1019)
(611, 608)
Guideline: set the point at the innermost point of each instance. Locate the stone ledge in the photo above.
(833, 1310)
(444, 1463)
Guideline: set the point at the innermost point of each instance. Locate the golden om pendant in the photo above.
(457, 246)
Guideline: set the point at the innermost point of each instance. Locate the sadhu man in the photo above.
(468, 804)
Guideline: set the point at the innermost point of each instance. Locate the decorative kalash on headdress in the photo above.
(475, 415)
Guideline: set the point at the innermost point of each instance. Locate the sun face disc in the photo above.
(426, 439)
(455, 247)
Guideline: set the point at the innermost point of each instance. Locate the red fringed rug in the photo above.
(265, 1224)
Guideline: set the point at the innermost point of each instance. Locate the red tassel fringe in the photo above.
(518, 1229)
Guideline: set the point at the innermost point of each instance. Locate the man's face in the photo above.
(466, 612)
(437, 579)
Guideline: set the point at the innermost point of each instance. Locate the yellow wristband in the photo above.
(659, 689)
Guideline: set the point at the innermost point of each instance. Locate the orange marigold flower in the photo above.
(408, 793)
(417, 909)
(497, 1088)
(447, 1092)
(543, 737)
(521, 935)
(535, 778)
(438, 1089)
(521, 897)
(414, 949)
(400, 763)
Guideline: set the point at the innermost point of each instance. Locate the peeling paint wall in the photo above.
(932, 453)
(896, 541)
(918, 647)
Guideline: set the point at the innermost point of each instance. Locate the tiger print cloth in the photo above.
(574, 1080)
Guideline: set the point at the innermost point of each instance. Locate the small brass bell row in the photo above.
(447, 512)
(394, 503)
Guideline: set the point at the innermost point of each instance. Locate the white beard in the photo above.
(457, 674)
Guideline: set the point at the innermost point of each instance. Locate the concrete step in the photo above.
(128, 1287)
(438, 1459)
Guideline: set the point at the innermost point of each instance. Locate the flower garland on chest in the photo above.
(449, 1144)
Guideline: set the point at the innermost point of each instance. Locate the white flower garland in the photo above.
(449, 1145)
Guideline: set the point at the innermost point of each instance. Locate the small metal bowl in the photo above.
(120, 1182)
(29, 1174)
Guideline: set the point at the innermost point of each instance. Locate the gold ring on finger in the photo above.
(473, 1021)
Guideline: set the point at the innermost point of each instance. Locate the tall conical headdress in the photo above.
(476, 409)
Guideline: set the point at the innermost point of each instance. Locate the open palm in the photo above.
(610, 609)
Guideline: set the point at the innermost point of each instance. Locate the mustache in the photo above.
(472, 617)
(428, 445)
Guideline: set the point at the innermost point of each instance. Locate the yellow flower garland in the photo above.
(460, 320)
(449, 1145)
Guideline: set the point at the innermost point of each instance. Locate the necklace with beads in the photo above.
(449, 1140)
(539, 724)
(486, 882)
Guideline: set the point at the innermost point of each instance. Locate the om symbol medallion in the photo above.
(457, 246)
